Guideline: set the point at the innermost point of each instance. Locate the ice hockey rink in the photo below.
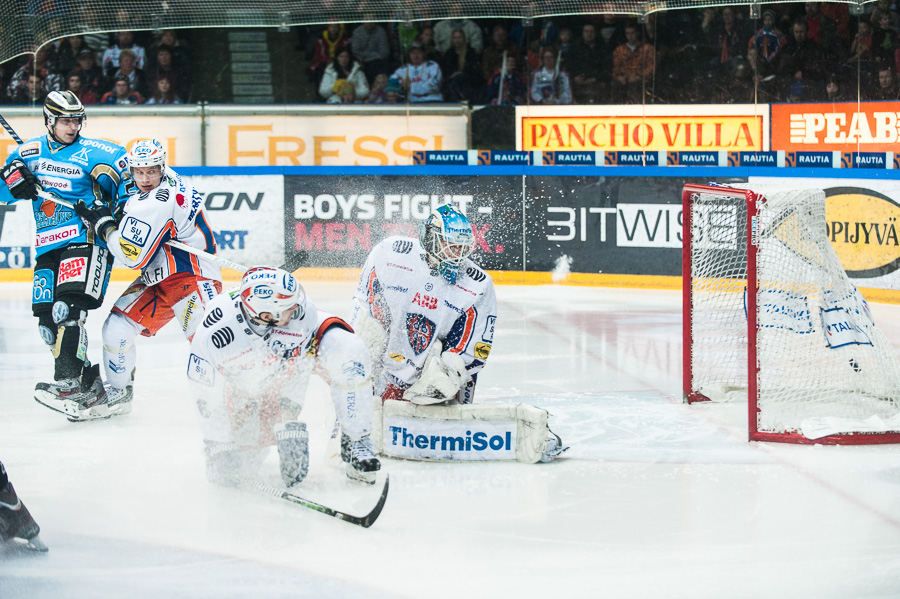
(655, 499)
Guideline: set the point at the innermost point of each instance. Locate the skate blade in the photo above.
(36, 544)
(101, 412)
(63, 406)
(363, 477)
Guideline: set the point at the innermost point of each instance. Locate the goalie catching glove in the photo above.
(99, 217)
(22, 183)
(442, 377)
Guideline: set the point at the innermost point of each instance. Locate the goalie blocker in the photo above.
(470, 432)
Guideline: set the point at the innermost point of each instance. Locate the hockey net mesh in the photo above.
(29, 24)
(824, 367)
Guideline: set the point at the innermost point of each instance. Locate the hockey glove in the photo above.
(442, 377)
(293, 452)
(99, 217)
(223, 464)
(22, 183)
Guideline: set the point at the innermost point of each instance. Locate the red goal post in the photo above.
(771, 318)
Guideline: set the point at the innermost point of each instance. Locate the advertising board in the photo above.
(738, 127)
(837, 127)
(335, 139)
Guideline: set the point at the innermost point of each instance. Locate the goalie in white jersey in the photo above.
(427, 314)
(173, 285)
(428, 299)
(250, 364)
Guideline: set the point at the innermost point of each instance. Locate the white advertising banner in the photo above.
(180, 135)
(336, 140)
(862, 217)
(16, 235)
(246, 214)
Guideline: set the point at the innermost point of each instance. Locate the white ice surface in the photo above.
(655, 498)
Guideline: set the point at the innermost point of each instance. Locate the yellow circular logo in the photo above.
(862, 227)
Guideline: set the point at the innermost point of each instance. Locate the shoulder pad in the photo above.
(402, 246)
(475, 273)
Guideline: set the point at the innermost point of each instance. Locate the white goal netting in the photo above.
(822, 367)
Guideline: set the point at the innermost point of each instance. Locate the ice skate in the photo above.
(16, 523)
(118, 401)
(361, 461)
(554, 448)
(79, 399)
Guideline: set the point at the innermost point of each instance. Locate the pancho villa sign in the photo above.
(741, 128)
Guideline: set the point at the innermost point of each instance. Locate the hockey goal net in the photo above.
(771, 317)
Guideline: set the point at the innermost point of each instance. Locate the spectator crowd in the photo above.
(100, 69)
(793, 52)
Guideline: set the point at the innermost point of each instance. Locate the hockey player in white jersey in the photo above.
(429, 299)
(173, 284)
(250, 364)
(427, 314)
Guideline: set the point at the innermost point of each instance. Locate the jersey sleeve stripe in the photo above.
(204, 228)
(467, 332)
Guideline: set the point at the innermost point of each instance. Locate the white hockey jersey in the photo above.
(174, 210)
(243, 379)
(418, 307)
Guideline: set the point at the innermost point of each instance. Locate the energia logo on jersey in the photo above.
(420, 331)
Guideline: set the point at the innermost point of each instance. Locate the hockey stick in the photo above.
(291, 265)
(364, 521)
(10, 130)
(172, 243)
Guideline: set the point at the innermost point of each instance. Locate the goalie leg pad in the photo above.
(293, 452)
(514, 431)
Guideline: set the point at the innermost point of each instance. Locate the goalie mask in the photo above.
(273, 291)
(447, 237)
(62, 104)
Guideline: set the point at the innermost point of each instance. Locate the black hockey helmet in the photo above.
(63, 104)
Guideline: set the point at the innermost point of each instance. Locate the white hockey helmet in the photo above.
(447, 237)
(147, 152)
(62, 104)
(272, 290)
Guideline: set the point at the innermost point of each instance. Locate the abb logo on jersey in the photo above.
(71, 270)
(426, 301)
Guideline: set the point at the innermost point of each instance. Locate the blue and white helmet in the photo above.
(147, 152)
(273, 290)
(447, 237)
